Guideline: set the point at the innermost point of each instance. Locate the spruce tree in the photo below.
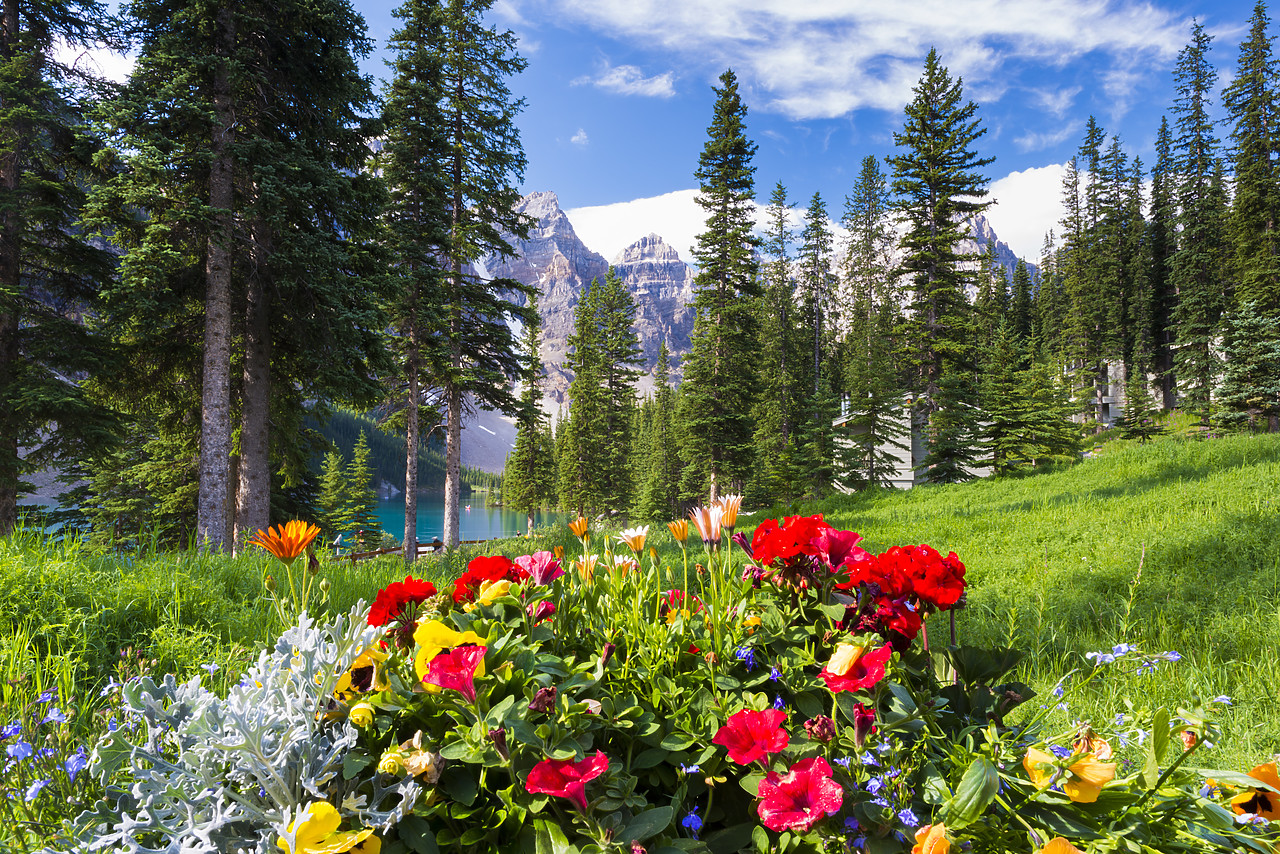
(1197, 273)
(720, 371)
(361, 505)
(332, 499)
(525, 476)
(818, 319)
(582, 448)
(1249, 396)
(620, 358)
(659, 496)
(476, 356)
(1020, 305)
(48, 272)
(1162, 243)
(939, 186)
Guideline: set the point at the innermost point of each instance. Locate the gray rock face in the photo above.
(556, 261)
(983, 236)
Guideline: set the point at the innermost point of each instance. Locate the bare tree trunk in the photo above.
(452, 462)
(215, 403)
(253, 489)
(412, 432)
(10, 282)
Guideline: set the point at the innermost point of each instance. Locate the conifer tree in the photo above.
(936, 177)
(775, 409)
(620, 358)
(477, 356)
(361, 505)
(1162, 243)
(659, 497)
(1250, 392)
(720, 372)
(1197, 272)
(582, 449)
(47, 270)
(818, 394)
(1020, 305)
(528, 476)
(332, 499)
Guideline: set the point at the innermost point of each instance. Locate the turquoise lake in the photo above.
(480, 522)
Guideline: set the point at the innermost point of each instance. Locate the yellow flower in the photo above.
(434, 638)
(579, 527)
(1058, 845)
(679, 529)
(753, 622)
(286, 541)
(318, 834)
(391, 762)
(364, 675)
(1263, 802)
(586, 567)
(419, 762)
(845, 656)
(932, 839)
(491, 591)
(361, 715)
(1082, 781)
(633, 538)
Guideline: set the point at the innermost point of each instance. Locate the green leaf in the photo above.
(981, 666)
(975, 793)
(649, 758)
(760, 837)
(751, 784)
(646, 824)
(1235, 778)
(730, 840)
(551, 839)
(728, 683)
(462, 751)
(1155, 747)
(834, 612)
(460, 785)
(353, 763)
(416, 834)
(677, 741)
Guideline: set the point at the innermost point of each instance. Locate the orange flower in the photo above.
(633, 538)
(729, 506)
(932, 839)
(586, 567)
(1263, 802)
(1058, 845)
(707, 521)
(679, 529)
(1090, 742)
(286, 541)
(1081, 781)
(579, 527)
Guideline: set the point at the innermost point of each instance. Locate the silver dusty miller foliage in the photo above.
(196, 773)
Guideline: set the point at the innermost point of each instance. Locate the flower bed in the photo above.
(777, 692)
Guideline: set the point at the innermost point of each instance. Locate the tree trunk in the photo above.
(452, 462)
(215, 404)
(412, 432)
(253, 488)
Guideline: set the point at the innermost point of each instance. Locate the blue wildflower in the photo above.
(692, 822)
(1057, 690)
(1171, 656)
(33, 791)
(851, 825)
(54, 715)
(880, 802)
(46, 697)
(843, 760)
(747, 656)
(1122, 649)
(11, 730)
(874, 785)
(1059, 751)
(908, 818)
(774, 673)
(46, 753)
(20, 750)
(111, 725)
(76, 763)
(212, 667)
(778, 704)
(869, 758)
(1100, 658)
(690, 769)
(1223, 699)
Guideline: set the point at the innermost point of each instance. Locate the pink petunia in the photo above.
(565, 778)
(800, 798)
(749, 735)
(456, 669)
(542, 567)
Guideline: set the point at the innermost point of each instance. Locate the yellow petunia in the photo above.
(434, 638)
(319, 834)
(1082, 780)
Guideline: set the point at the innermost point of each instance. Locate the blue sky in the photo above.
(619, 93)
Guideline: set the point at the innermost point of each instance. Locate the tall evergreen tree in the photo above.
(1162, 243)
(581, 449)
(528, 478)
(477, 356)
(719, 371)
(939, 186)
(1020, 305)
(620, 358)
(659, 496)
(48, 273)
(819, 394)
(1250, 390)
(1197, 272)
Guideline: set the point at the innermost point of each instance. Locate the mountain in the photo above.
(983, 236)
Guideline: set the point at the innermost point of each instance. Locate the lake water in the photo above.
(481, 522)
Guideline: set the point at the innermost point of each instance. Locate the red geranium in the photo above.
(456, 670)
(482, 569)
(749, 735)
(800, 798)
(939, 581)
(772, 543)
(566, 779)
(836, 548)
(853, 668)
(392, 599)
(919, 571)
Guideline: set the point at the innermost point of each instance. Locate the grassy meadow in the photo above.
(1173, 545)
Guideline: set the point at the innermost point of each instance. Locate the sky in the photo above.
(618, 94)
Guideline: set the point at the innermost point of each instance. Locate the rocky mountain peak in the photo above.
(651, 247)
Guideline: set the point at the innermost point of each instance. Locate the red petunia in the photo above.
(853, 668)
(392, 600)
(566, 779)
(800, 798)
(836, 548)
(750, 735)
(456, 670)
(482, 569)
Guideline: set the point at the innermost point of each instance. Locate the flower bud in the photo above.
(390, 763)
(324, 585)
(821, 728)
(864, 724)
(499, 738)
(544, 701)
(270, 583)
(313, 563)
(606, 652)
(361, 715)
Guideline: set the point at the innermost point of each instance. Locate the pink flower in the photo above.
(749, 735)
(456, 669)
(539, 611)
(852, 668)
(800, 798)
(566, 779)
(542, 567)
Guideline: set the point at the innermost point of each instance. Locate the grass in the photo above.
(1174, 545)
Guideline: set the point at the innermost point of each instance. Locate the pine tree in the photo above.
(936, 177)
(818, 394)
(524, 478)
(1138, 421)
(1250, 390)
(1020, 305)
(582, 449)
(333, 500)
(477, 356)
(620, 358)
(1161, 238)
(720, 373)
(1197, 267)
(47, 271)
(361, 505)
(659, 497)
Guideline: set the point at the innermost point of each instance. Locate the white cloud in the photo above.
(97, 61)
(608, 229)
(823, 58)
(1056, 101)
(1032, 141)
(630, 80)
(579, 138)
(1028, 204)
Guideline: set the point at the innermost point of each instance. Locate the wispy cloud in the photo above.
(824, 58)
(1039, 141)
(630, 80)
(1056, 101)
(579, 138)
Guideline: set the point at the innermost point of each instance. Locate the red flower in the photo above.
(539, 611)
(392, 599)
(482, 569)
(801, 798)
(772, 543)
(749, 735)
(456, 669)
(566, 779)
(864, 724)
(836, 548)
(939, 581)
(852, 668)
(896, 616)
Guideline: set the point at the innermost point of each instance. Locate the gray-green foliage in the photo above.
(229, 775)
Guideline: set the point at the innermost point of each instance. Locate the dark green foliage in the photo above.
(359, 509)
(1138, 421)
(952, 432)
(50, 276)
(528, 479)
(1162, 243)
(659, 496)
(876, 425)
(1249, 397)
(1026, 413)
(720, 374)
